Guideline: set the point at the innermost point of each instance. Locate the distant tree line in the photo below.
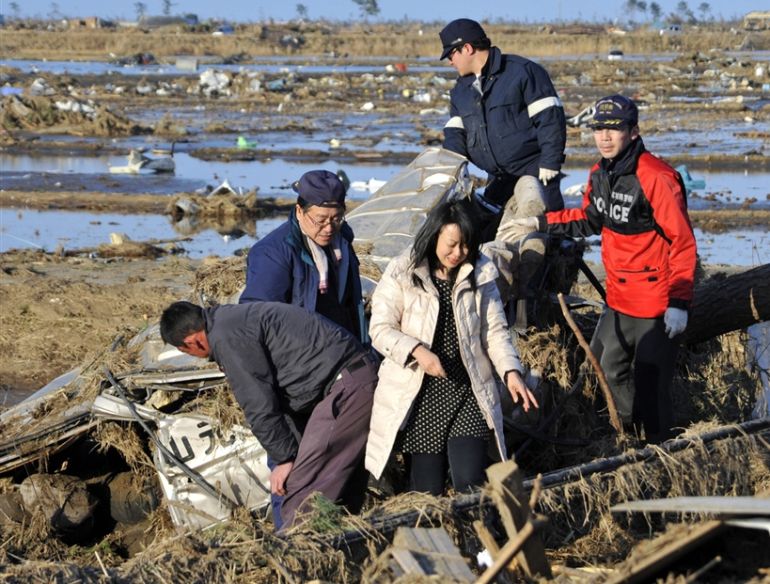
(646, 10)
(682, 13)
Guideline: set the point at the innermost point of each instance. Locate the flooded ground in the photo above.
(706, 106)
(272, 175)
(311, 64)
(49, 230)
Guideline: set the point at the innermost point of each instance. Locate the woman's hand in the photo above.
(519, 390)
(428, 361)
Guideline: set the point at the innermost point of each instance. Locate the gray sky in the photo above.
(424, 10)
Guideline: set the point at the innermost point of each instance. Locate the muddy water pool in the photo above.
(309, 64)
(274, 175)
(741, 247)
(722, 189)
(24, 228)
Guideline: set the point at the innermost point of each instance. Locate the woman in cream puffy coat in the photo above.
(438, 320)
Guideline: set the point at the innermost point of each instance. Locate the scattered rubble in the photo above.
(70, 116)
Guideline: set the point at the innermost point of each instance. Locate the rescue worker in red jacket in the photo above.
(637, 203)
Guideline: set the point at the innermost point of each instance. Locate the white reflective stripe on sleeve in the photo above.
(542, 104)
(455, 122)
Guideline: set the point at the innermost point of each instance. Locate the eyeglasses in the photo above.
(333, 221)
(453, 51)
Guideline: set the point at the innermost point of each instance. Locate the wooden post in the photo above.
(507, 491)
(611, 408)
(486, 539)
(509, 550)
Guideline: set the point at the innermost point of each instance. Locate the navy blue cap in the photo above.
(615, 111)
(459, 32)
(321, 188)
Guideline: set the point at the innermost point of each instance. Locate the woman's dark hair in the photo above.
(180, 320)
(458, 211)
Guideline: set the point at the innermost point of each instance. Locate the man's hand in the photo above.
(278, 478)
(546, 175)
(675, 320)
(520, 391)
(428, 361)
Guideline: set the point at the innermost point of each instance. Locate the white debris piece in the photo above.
(40, 87)
(71, 105)
(118, 238)
(574, 190)
(372, 185)
(439, 111)
(211, 82)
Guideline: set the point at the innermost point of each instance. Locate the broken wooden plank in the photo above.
(429, 551)
(731, 506)
(509, 550)
(507, 491)
(486, 539)
(636, 569)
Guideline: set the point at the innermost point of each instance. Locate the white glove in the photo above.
(675, 320)
(546, 175)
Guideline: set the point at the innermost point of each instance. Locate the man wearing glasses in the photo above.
(309, 260)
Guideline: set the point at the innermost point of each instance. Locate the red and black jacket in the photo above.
(637, 202)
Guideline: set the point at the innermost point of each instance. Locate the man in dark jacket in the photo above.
(309, 260)
(507, 119)
(637, 203)
(305, 386)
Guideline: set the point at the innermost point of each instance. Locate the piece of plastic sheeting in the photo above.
(234, 463)
(155, 354)
(30, 403)
(416, 201)
(112, 407)
(389, 220)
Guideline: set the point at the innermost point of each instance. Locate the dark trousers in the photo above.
(332, 447)
(467, 458)
(638, 359)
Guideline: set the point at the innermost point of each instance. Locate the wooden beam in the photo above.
(486, 539)
(635, 570)
(727, 506)
(507, 491)
(509, 550)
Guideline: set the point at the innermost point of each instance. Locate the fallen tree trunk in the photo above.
(463, 503)
(729, 304)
